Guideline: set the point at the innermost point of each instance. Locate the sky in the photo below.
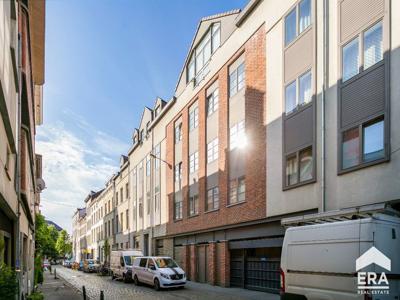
(105, 61)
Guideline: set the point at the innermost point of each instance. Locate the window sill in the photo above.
(178, 220)
(363, 166)
(298, 109)
(291, 43)
(211, 210)
(236, 203)
(300, 184)
(192, 216)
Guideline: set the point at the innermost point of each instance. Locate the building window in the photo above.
(213, 198)
(178, 133)
(121, 193)
(178, 207)
(157, 154)
(127, 219)
(373, 45)
(122, 222)
(299, 167)
(116, 199)
(237, 190)
(373, 144)
(350, 60)
(212, 103)
(237, 135)
(178, 172)
(236, 80)
(203, 52)
(212, 150)
(127, 190)
(293, 27)
(294, 99)
(148, 168)
(216, 36)
(194, 162)
(193, 118)
(193, 205)
(157, 111)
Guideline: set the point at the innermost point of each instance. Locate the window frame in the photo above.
(213, 195)
(213, 148)
(237, 180)
(235, 73)
(213, 102)
(296, 8)
(296, 154)
(178, 128)
(195, 201)
(193, 118)
(180, 208)
(296, 81)
(361, 162)
(194, 163)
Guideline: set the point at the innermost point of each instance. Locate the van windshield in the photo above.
(166, 263)
(129, 260)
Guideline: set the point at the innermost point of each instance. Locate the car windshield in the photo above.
(129, 260)
(165, 263)
(90, 262)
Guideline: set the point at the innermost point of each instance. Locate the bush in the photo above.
(8, 282)
(38, 270)
(35, 296)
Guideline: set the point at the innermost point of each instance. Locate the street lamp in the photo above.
(160, 159)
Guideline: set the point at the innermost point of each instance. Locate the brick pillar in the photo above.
(225, 263)
(193, 262)
(186, 259)
(212, 263)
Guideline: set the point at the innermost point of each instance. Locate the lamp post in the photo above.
(160, 159)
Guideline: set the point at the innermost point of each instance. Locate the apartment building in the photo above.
(94, 224)
(282, 115)
(21, 80)
(108, 199)
(76, 236)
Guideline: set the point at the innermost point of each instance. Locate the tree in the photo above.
(106, 249)
(63, 244)
(46, 237)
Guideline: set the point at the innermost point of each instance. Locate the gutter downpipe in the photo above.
(324, 66)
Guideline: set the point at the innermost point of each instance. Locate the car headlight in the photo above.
(183, 275)
(166, 276)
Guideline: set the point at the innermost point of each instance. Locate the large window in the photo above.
(202, 53)
(236, 80)
(352, 63)
(212, 103)
(294, 27)
(299, 167)
(178, 133)
(213, 198)
(237, 135)
(178, 172)
(369, 149)
(298, 92)
(193, 205)
(194, 118)
(237, 190)
(194, 162)
(212, 150)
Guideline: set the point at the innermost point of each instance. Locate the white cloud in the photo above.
(74, 163)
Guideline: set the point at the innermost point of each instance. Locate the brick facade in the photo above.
(255, 205)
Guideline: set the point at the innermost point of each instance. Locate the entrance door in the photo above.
(146, 245)
(202, 269)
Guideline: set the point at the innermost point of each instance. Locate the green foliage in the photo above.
(35, 296)
(106, 249)
(46, 237)
(8, 282)
(38, 277)
(63, 245)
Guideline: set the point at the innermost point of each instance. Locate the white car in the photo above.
(160, 272)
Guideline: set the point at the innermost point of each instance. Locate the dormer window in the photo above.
(157, 111)
(205, 48)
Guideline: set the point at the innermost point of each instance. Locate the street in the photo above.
(114, 289)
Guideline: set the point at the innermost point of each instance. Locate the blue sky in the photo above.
(105, 61)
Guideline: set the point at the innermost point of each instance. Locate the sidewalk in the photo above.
(58, 289)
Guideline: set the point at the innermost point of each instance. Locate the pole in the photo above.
(84, 292)
(101, 295)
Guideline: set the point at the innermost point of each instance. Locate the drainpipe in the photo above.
(324, 84)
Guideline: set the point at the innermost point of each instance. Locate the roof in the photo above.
(93, 195)
(51, 223)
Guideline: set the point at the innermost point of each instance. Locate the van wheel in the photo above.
(112, 276)
(125, 278)
(136, 280)
(156, 284)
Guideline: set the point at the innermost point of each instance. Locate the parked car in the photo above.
(80, 267)
(90, 266)
(121, 263)
(46, 264)
(67, 263)
(160, 272)
(319, 261)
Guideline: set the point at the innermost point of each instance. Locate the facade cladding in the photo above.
(272, 117)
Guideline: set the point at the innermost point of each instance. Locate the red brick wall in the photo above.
(255, 206)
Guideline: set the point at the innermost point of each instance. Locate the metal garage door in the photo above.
(254, 272)
(178, 255)
(202, 269)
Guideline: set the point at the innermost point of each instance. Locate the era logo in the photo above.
(371, 282)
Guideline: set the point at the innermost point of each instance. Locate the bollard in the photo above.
(84, 292)
(55, 273)
(101, 295)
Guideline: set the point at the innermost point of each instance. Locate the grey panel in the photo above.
(355, 14)
(212, 88)
(212, 127)
(298, 130)
(299, 56)
(237, 107)
(194, 189)
(179, 241)
(237, 163)
(178, 255)
(204, 237)
(212, 167)
(259, 243)
(194, 140)
(212, 180)
(363, 97)
(236, 63)
(256, 231)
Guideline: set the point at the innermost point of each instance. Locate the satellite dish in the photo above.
(40, 185)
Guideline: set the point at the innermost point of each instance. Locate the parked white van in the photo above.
(160, 272)
(121, 263)
(320, 261)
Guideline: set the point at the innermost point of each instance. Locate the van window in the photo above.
(143, 262)
(151, 264)
(129, 260)
(121, 260)
(166, 263)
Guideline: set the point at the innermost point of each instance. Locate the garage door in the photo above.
(178, 254)
(202, 269)
(254, 270)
